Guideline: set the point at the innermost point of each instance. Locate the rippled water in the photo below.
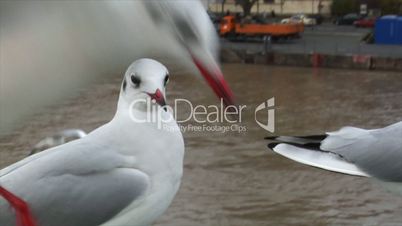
(232, 178)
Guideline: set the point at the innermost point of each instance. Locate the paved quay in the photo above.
(325, 39)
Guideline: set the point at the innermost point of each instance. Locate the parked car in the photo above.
(365, 22)
(300, 18)
(347, 19)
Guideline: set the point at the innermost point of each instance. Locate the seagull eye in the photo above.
(136, 81)
(166, 80)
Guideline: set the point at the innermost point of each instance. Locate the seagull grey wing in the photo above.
(74, 187)
(22, 162)
(377, 152)
(79, 200)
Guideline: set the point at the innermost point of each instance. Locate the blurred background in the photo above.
(328, 63)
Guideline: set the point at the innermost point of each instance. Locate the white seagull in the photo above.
(126, 172)
(373, 153)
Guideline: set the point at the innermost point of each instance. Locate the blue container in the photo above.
(386, 30)
(398, 33)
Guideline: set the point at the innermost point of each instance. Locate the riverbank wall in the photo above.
(316, 60)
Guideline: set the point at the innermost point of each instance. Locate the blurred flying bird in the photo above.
(189, 24)
(126, 172)
(373, 153)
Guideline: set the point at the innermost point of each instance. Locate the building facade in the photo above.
(280, 7)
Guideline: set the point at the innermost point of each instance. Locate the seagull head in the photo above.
(190, 25)
(145, 79)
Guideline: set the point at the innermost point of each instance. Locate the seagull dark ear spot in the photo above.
(124, 84)
(135, 80)
(166, 80)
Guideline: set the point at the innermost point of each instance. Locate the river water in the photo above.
(232, 178)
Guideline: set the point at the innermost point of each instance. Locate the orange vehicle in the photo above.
(231, 29)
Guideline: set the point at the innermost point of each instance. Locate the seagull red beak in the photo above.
(158, 97)
(213, 75)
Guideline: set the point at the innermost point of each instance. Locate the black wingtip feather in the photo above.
(314, 137)
(310, 146)
(272, 145)
(311, 137)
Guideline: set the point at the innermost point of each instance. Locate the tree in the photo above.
(341, 7)
(223, 2)
(391, 6)
(246, 5)
(319, 7)
(282, 2)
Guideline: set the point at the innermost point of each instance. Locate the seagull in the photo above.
(375, 153)
(125, 172)
(59, 138)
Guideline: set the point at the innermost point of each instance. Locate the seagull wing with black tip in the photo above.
(307, 150)
(372, 153)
